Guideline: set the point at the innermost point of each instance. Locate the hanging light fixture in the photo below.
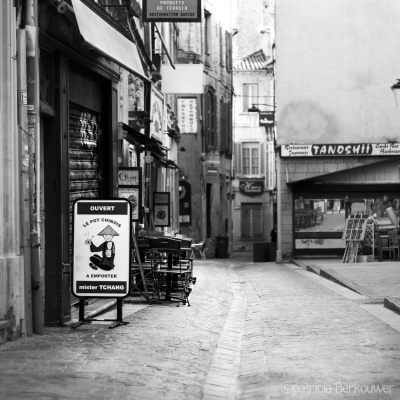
(395, 88)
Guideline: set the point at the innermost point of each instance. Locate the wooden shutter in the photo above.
(238, 157)
(224, 127)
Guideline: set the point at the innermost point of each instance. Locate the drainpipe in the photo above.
(32, 61)
(25, 143)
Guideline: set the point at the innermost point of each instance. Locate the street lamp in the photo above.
(254, 112)
(395, 88)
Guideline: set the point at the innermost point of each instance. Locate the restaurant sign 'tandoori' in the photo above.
(353, 149)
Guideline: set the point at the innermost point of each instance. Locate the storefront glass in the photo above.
(319, 222)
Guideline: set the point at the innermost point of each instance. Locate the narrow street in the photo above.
(253, 331)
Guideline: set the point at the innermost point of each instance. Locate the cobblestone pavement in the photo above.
(254, 331)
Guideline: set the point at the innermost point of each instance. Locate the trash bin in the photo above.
(260, 252)
(222, 247)
(271, 251)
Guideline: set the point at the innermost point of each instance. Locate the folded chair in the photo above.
(200, 248)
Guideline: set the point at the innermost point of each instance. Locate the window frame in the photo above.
(256, 220)
(248, 98)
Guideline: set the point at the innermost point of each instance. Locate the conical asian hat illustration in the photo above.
(108, 231)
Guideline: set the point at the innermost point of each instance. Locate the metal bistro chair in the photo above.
(394, 242)
(174, 275)
(200, 248)
(186, 258)
(385, 248)
(148, 266)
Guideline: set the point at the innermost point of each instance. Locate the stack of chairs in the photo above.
(173, 275)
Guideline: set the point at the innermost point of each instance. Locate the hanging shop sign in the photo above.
(130, 188)
(251, 188)
(185, 203)
(187, 115)
(171, 11)
(212, 171)
(161, 209)
(101, 250)
(266, 118)
(157, 113)
(353, 149)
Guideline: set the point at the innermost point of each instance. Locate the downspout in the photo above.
(32, 61)
(24, 160)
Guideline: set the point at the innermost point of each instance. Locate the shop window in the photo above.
(312, 215)
(251, 221)
(329, 215)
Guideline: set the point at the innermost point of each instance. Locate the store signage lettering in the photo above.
(251, 188)
(266, 118)
(172, 10)
(187, 115)
(354, 149)
(101, 251)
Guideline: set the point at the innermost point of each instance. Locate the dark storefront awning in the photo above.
(345, 176)
(137, 138)
(166, 163)
(107, 40)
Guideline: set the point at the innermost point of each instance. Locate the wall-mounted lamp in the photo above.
(395, 89)
(230, 196)
(254, 115)
(139, 118)
(274, 193)
(182, 149)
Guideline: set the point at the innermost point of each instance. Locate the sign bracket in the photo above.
(82, 320)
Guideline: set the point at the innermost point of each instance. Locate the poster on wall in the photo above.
(161, 209)
(185, 203)
(130, 188)
(171, 11)
(157, 113)
(187, 115)
(101, 252)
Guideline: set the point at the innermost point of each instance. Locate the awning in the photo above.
(107, 40)
(166, 162)
(135, 137)
(345, 173)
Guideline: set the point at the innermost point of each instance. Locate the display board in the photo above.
(161, 209)
(101, 252)
(130, 188)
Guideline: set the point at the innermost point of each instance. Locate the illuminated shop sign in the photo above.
(353, 149)
(251, 188)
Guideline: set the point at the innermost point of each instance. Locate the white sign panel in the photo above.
(185, 78)
(187, 115)
(101, 248)
(332, 150)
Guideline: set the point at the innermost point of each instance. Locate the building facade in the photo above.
(337, 120)
(90, 101)
(254, 157)
(206, 135)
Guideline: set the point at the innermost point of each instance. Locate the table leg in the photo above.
(169, 279)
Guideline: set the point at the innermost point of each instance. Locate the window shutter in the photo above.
(262, 159)
(230, 130)
(238, 158)
(224, 127)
